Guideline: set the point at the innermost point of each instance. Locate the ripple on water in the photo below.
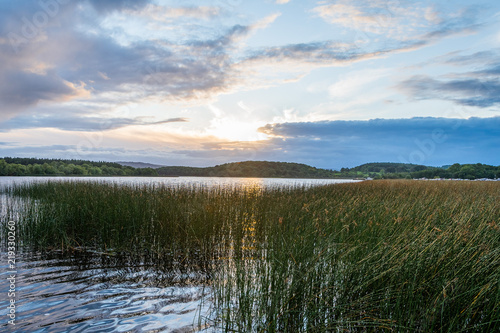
(57, 295)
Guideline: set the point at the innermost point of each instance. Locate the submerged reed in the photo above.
(372, 256)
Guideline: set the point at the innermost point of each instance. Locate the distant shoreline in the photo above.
(35, 167)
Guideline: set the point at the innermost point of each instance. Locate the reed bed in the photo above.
(405, 256)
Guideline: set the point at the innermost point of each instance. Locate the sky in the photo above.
(327, 83)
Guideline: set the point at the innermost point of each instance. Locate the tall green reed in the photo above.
(371, 256)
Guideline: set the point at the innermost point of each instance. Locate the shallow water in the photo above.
(99, 294)
(96, 292)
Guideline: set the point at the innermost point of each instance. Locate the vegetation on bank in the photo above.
(374, 170)
(17, 166)
(262, 169)
(411, 171)
(372, 256)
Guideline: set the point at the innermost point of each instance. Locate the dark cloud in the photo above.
(21, 89)
(106, 6)
(171, 120)
(493, 71)
(222, 41)
(431, 141)
(478, 86)
(309, 52)
(476, 92)
(77, 122)
(482, 57)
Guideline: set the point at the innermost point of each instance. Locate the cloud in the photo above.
(78, 64)
(82, 54)
(74, 55)
(117, 5)
(161, 13)
(430, 141)
(77, 122)
(326, 144)
(354, 84)
(282, 2)
(469, 92)
(313, 52)
(397, 20)
(47, 151)
(479, 87)
(373, 17)
(275, 65)
(21, 89)
(265, 22)
(337, 144)
(111, 154)
(377, 29)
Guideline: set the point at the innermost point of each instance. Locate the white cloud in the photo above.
(393, 19)
(162, 13)
(265, 22)
(354, 83)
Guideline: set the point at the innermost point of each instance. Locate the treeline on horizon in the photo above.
(15, 166)
(410, 171)
(18, 166)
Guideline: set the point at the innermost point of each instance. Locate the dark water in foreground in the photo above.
(99, 294)
(92, 292)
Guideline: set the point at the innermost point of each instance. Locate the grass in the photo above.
(406, 256)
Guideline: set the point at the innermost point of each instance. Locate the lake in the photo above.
(101, 292)
(186, 181)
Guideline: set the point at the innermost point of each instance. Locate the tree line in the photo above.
(403, 170)
(15, 166)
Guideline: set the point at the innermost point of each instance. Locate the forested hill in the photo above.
(18, 166)
(58, 167)
(10, 166)
(261, 169)
(403, 170)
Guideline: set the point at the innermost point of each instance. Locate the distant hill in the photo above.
(15, 166)
(19, 166)
(140, 165)
(262, 169)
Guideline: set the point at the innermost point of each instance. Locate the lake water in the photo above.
(185, 181)
(95, 292)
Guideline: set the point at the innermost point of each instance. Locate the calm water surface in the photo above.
(185, 181)
(99, 292)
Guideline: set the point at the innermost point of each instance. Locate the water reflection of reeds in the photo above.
(89, 291)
